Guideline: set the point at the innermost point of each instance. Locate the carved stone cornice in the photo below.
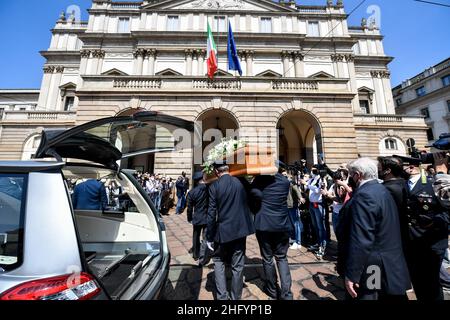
(100, 54)
(385, 74)
(49, 69)
(285, 54)
(201, 53)
(249, 54)
(139, 53)
(151, 53)
(337, 57)
(189, 53)
(85, 53)
(59, 69)
(380, 74)
(349, 57)
(297, 55)
(241, 54)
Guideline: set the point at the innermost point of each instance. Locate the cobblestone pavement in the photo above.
(311, 279)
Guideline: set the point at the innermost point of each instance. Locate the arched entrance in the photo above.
(143, 163)
(215, 124)
(299, 137)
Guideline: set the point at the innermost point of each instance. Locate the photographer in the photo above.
(339, 193)
(317, 210)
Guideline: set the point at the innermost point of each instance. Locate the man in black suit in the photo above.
(273, 228)
(197, 213)
(375, 267)
(228, 225)
(390, 170)
(428, 232)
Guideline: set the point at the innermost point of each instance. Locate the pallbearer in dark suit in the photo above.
(375, 267)
(273, 227)
(197, 213)
(228, 225)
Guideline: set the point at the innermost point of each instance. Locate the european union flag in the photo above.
(233, 58)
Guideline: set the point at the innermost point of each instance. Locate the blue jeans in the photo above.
(158, 196)
(318, 222)
(181, 203)
(298, 225)
(335, 220)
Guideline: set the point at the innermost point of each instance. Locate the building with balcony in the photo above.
(427, 94)
(311, 84)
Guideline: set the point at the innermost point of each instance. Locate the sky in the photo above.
(416, 34)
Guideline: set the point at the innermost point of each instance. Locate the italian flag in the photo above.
(211, 58)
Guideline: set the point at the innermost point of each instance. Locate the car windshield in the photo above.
(12, 194)
(135, 136)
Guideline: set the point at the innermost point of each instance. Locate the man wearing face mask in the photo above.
(390, 171)
(373, 264)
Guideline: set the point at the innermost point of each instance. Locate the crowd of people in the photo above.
(390, 218)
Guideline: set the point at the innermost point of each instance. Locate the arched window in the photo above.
(391, 144)
(30, 146)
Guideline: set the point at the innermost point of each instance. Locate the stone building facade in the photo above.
(311, 84)
(427, 94)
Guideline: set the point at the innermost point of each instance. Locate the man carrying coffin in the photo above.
(229, 223)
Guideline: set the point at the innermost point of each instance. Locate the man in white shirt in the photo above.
(317, 210)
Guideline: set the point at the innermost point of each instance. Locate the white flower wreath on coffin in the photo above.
(224, 149)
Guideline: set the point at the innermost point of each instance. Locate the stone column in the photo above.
(285, 57)
(298, 63)
(45, 86)
(380, 102)
(201, 61)
(188, 53)
(350, 59)
(101, 57)
(195, 62)
(55, 83)
(151, 55)
(249, 59)
(139, 61)
(386, 81)
(85, 55)
(338, 64)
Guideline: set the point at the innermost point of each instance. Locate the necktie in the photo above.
(411, 184)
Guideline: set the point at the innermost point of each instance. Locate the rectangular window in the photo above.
(446, 81)
(69, 103)
(12, 201)
(313, 29)
(398, 102)
(364, 105)
(22, 109)
(220, 24)
(448, 105)
(425, 112)
(430, 134)
(266, 25)
(173, 23)
(124, 25)
(421, 91)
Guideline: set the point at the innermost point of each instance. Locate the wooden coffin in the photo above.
(250, 161)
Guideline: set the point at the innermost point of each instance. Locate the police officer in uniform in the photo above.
(428, 228)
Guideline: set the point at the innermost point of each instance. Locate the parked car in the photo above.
(50, 250)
